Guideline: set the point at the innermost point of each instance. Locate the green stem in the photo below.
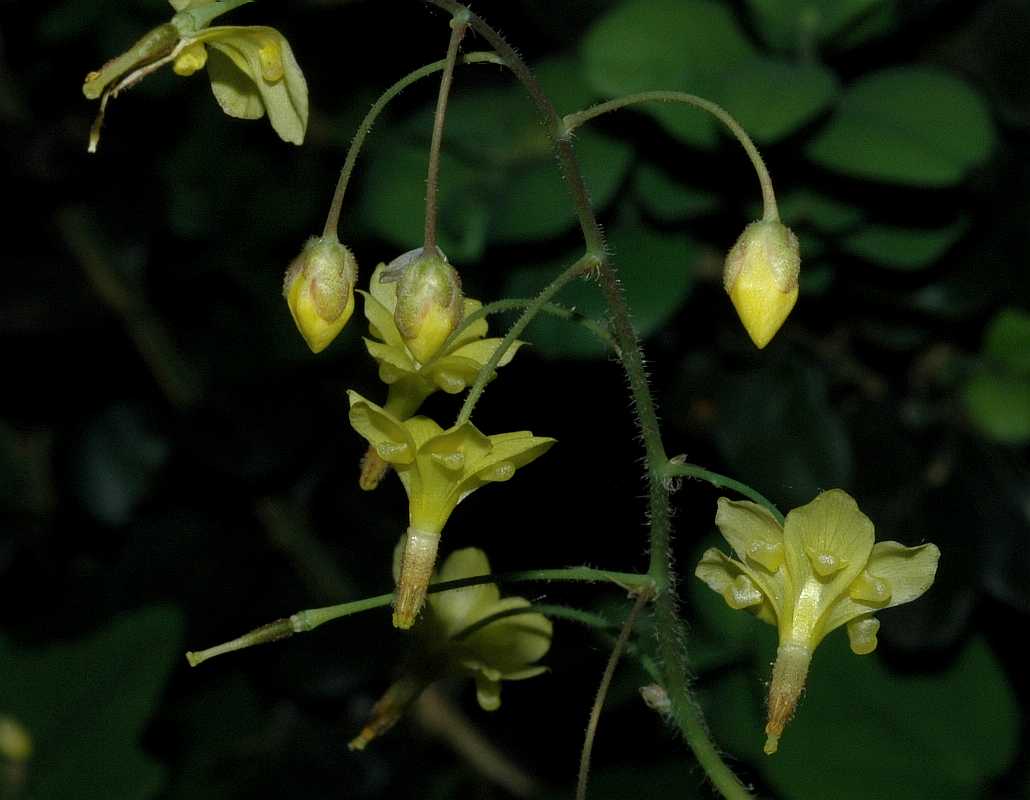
(458, 28)
(333, 218)
(584, 264)
(587, 618)
(309, 619)
(675, 469)
(602, 693)
(770, 211)
(669, 629)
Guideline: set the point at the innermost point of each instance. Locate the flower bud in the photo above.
(429, 304)
(319, 289)
(761, 278)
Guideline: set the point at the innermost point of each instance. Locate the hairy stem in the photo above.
(333, 218)
(602, 693)
(770, 211)
(669, 628)
(584, 264)
(309, 619)
(458, 28)
(676, 469)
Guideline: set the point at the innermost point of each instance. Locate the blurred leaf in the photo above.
(772, 98)
(823, 213)
(1007, 341)
(682, 45)
(908, 125)
(786, 24)
(655, 270)
(836, 745)
(780, 434)
(667, 199)
(116, 462)
(85, 704)
(533, 202)
(903, 248)
(999, 405)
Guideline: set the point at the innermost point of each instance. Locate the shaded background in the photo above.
(176, 467)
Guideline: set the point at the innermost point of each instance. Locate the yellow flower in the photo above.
(817, 572)
(410, 380)
(761, 278)
(438, 469)
(319, 290)
(449, 641)
(252, 68)
(505, 649)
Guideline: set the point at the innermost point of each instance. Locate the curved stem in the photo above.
(458, 28)
(587, 618)
(602, 693)
(770, 213)
(309, 619)
(333, 218)
(675, 469)
(584, 264)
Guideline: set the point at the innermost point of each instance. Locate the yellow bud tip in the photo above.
(417, 562)
(319, 290)
(761, 278)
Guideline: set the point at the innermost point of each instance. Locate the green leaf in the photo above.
(787, 24)
(909, 125)
(85, 704)
(655, 270)
(998, 403)
(683, 45)
(772, 98)
(824, 214)
(779, 431)
(903, 248)
(667, 199)
(863, 733)
(1007, 341)
(534, 202)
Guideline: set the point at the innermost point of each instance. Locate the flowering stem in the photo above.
(333, 219)
(581, 266)
(669, 628)
(309, 619)
(675, 469)
(770, 211)
(602, 692)
(458, 28)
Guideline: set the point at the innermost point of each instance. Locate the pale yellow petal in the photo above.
(722, 575)
(392, 440)
(380, 320)
(752, 531)
(456, 608)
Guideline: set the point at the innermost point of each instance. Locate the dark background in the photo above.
(176, 468)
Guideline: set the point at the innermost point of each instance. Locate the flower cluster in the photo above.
(818, 571)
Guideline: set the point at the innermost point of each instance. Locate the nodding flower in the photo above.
(818, 571)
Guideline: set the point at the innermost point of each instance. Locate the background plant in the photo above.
(901, 384)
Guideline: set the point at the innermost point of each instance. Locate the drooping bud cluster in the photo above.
(319, 289)
(761, 278)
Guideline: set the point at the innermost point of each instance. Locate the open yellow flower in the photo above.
(252, 68)
(455, 636)
(410, 381)
(817, 572)
(438, 468)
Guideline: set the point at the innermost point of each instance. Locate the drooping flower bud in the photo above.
(761, 278)
(319, 289)
(429, 304)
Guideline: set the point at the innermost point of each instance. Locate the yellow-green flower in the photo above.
(438, 468)
(817, 572)
(319, 290)
(252, 68)
(761, 278)
(410, 380)
(506, 648)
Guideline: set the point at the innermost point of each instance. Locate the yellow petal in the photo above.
(862, 635)
(751, 531)
(721, 573)
(457, 608)
(190, 59)
(382, 430)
